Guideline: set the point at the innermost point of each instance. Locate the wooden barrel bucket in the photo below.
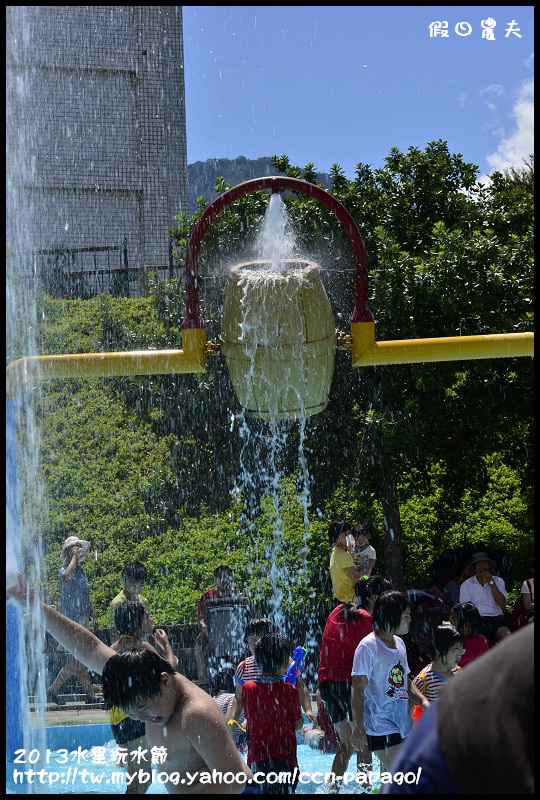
(278, 338)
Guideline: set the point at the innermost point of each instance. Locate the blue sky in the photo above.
(346, 83)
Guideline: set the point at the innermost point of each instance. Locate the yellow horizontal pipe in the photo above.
(368, 353)
(191, 358)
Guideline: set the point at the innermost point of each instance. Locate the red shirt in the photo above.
(201, 611)
(474, 646)
(271, 711)
(339, 641)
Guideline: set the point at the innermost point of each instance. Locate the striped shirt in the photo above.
(247, 670)
(429, 682)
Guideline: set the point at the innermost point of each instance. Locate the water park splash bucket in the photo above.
(278, 338)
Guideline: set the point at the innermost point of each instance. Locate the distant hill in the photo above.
(202, 175)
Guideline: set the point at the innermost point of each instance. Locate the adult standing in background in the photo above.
(488, 593)
(75, 604)
(343, 571)
(224, 626)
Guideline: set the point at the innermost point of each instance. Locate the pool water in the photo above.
(63, 775)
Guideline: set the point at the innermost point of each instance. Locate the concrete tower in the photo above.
(96, 110)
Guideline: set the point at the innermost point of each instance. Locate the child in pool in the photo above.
(381, 688)
(448, 644)
(132, 622)
(248, 670)
(180, 718)
(273, 714)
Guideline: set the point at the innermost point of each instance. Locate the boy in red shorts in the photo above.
(272, 710)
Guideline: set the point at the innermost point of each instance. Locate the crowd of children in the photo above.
(366, 690)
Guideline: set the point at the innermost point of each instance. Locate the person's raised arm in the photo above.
(498, 595)
(84, 645)
(79, 641)
(67, 574)
(163, 647)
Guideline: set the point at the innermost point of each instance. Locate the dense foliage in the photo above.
(161, 469)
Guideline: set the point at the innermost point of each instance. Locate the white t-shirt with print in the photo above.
(362, 556)
(386, 695)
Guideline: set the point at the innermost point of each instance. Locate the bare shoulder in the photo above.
(200, 711)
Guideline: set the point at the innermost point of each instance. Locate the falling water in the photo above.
(276, 263)
(24, 498)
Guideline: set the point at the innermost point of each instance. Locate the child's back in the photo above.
(272, 710)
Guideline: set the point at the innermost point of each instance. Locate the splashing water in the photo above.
(275, 242)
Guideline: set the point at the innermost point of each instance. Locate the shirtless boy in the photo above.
(179, 716)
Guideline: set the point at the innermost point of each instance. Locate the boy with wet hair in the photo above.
(131, 620)
(180, 718)
(133, 677)
(381, 686)
(273, 716)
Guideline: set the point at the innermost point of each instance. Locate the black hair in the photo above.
(129, 617)
(134, 572)
(388, 608)
(133, 676)
(271, 652)
(337, 527)
(444, 637)
(466, 615)
(365, 589)
(222, 568)
(373, 587)
(361, 527)
(348, 612)
(259, 627)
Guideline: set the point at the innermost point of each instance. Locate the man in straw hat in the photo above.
(488, 593)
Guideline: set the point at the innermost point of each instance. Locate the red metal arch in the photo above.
(361, 311)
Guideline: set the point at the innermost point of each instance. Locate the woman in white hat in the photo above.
(75, 604)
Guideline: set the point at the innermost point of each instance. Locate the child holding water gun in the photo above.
(273, 715)
(248, 670)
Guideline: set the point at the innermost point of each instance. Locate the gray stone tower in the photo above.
(96, 110)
